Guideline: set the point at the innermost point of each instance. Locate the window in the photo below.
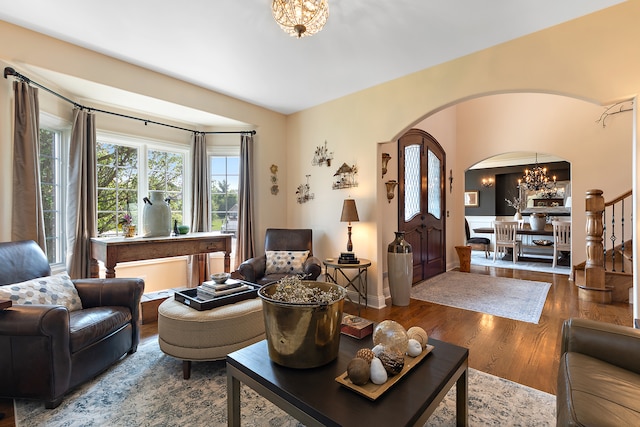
(225, 176)
(128, 168)
(166, 174)
(117, 169)
(51, 186)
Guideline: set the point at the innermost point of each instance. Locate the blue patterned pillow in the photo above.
(56, 290)
(286, 262)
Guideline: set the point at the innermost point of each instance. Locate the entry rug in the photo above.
(147, 389)
(499, 296)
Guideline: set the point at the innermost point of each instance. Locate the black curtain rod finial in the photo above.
(8, 71)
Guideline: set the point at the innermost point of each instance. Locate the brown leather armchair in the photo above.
(599, 375)
(45, 350)
(282, 239)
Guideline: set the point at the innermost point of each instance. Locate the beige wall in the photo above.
(575, 59)
(28, 49)
(600, 156)
(592, 58)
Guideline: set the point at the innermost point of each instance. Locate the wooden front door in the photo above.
(421, 201)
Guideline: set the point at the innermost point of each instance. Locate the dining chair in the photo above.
(480, 241)
(506, 236)
(561, 238)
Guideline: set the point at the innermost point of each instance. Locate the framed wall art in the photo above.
(471, 199)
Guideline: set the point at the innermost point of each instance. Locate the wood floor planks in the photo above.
(522, 352)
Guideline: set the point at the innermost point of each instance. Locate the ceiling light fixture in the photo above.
(300, 18)
(536, 179)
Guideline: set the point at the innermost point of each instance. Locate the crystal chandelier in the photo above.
(300, 18)
(536, 179)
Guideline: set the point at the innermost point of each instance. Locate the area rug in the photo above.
(147, 389)
(499, 296)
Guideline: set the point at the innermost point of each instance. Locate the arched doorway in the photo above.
(498, 183)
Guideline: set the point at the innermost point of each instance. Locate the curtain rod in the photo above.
(8, 71)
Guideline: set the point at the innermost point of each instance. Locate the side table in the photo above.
(357, 282)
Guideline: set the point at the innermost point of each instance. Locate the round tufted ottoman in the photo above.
(192, 335)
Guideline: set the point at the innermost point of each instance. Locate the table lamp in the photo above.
(349, 214)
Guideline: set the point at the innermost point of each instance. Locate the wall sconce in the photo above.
(385, 159)
(391, 188)
(487, 182)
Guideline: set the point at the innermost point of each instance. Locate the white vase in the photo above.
(156, 215)
(400, 270)
(517, 216)
(537, 221)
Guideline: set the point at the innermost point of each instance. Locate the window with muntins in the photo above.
(225, 176)
(128, 169)
(51, 187)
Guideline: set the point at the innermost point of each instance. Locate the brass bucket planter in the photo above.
(302, 335)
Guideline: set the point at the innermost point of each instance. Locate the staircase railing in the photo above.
(614, 217)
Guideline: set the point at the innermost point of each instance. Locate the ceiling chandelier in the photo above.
(300, 18)
(536, 179)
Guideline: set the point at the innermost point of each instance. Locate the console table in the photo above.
(112, 250)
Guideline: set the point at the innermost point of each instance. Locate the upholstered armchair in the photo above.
(599, 374)
(287, 252)
(66, 334)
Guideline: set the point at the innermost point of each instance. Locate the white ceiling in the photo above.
(235, 47)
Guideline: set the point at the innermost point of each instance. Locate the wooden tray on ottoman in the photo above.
(373, 391)
(190, 297)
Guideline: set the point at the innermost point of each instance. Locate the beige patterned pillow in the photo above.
(286, 262)
(57, 290)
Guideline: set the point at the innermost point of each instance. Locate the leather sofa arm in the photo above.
(253, 268)
(36, 351)
(312, 268)
(615, 344)
(111, 292)
(36, 320)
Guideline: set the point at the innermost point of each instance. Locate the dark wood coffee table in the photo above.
(313, 397)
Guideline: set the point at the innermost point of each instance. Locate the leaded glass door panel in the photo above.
(421, 201)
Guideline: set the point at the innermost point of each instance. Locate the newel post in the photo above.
(594, 267)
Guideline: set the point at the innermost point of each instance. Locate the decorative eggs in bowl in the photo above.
(220, 277)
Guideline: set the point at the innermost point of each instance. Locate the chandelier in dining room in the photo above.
(300, 18)
(536, 179)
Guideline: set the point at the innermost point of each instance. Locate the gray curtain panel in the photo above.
(27, 218)
(81, 194)
(200, 209)
(245, 239)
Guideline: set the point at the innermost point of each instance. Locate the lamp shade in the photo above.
(349, 211)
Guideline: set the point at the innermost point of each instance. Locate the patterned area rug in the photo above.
(499, 296)
(147, 389)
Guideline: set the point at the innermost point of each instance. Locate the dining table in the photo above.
(526, 230)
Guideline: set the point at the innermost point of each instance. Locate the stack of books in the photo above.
(348, 258)
(211, 290)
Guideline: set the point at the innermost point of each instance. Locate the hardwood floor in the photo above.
(522, 352)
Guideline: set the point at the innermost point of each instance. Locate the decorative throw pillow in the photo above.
(286, 262)
(57, 290)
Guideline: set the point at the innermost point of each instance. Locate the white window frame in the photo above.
(223, 150)
(143, 145)
(63, 129)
